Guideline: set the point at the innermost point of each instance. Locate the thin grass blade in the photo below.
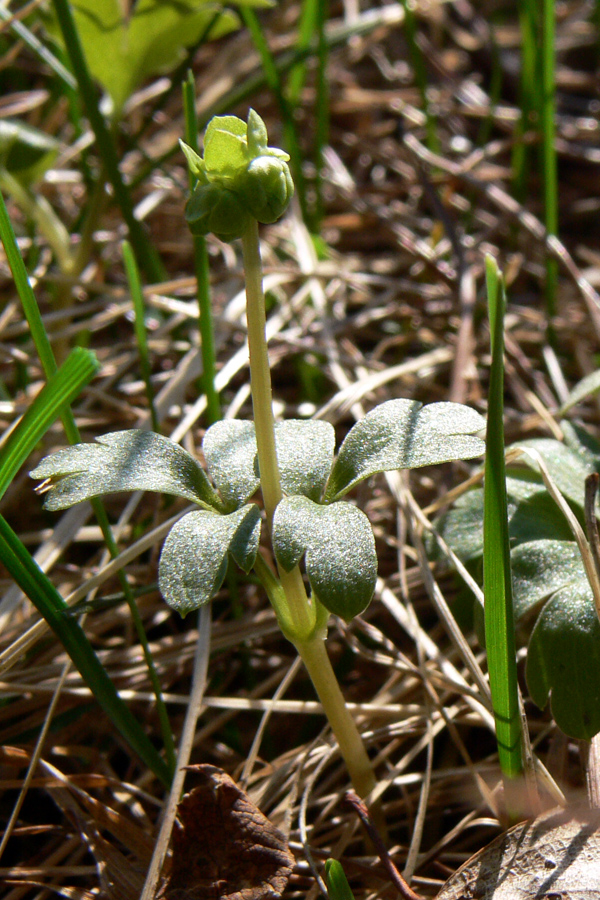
(337, 883)
(420, 72)
(78, 369)
(547, 115)
(139, 310)
(46, 599)
(499, 624)
(307, 29)
(46, 355)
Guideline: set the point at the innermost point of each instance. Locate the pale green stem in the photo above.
(318, 665)
(302, 616)
(260, 375)
(296, 615)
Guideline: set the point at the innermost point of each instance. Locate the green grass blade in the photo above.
(547, 115)
(145, 252)
(139, 310)
(42, 345)
(201, 265)
(420, 70)
(529, 90)
(321, 109)
(36, 46)
(307, 28)
(25, 291)
(44, 596)
(62, 388)
(499, 625)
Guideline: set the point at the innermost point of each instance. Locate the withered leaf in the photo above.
(553, 857)
(224, 848)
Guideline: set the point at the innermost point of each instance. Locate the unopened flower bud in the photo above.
(215, 208)
(268, 188)
(240, 177)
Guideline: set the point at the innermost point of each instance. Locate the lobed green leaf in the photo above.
(304, 452)
(124, 461)
(229, 448)
(338, 542)
(195, 554)
(542, 567)
(404, 434)
(532, 515)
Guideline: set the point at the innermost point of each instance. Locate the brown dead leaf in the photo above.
(553, 857)
(224, 848)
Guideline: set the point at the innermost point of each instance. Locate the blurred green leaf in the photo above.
(585, 388)
(25, 152)
(124, 50)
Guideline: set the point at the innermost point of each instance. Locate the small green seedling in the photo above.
(243, 181)
(337, 883)
(554, 607)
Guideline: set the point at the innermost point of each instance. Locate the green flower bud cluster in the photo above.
(239, 178)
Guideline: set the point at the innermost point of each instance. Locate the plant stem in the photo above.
(297, 616)
(260, 375)
(318, 665)
(302, 616)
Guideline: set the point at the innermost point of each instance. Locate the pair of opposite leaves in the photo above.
(311, 521)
